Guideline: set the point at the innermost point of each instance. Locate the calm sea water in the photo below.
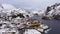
(54, 24)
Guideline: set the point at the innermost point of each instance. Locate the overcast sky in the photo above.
(30, 4)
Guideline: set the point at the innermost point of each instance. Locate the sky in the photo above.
(30, 4)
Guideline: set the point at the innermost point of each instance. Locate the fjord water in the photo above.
(53, 24)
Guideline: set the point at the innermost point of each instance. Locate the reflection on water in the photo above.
(54, 24)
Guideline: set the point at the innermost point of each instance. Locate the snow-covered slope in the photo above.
(54, 13)
(8, 6)
(10, 10)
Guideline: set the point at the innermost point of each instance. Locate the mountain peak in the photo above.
(7, 6)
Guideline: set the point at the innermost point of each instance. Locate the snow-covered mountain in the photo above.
(8, 6)
(11, 10)
(53, 12)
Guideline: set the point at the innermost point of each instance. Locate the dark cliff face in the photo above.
(57, 17)
(48, 9)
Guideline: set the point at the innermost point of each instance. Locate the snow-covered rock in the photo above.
(32, 31)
